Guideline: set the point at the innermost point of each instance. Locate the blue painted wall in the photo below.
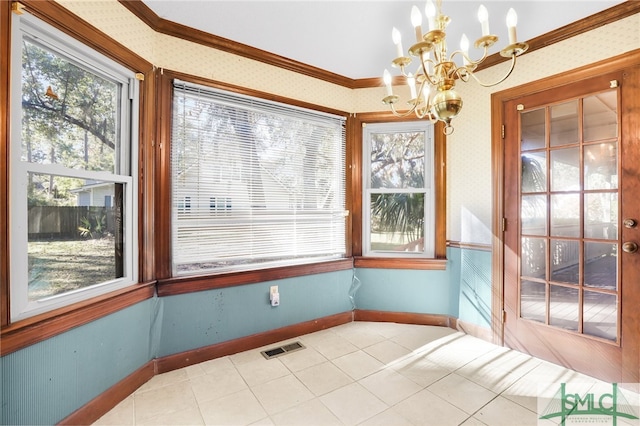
(45, 382)
(462, 291)
(204, 318)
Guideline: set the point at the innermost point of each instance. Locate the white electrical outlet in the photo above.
(274, 295)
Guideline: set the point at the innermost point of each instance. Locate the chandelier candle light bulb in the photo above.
(512, 21)
(483, 17)
(430, 12)
(416, 20)
(397, 40)
(432, 84)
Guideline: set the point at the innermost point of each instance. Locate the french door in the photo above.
(571, 235)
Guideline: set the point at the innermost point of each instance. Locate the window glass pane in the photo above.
(563, 307)
(601, 315)
(397, 222)
(75, 234)
(255, 183)
(397, 160)
(533, 129)
(601, 211)
(601, 116)
(601, 166)
(565, 169)
(565, 215)
(69, 114)
(533, 302)
(565, 261)
(564, 123)
(534, 172)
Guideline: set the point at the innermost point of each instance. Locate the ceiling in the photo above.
(353, 38)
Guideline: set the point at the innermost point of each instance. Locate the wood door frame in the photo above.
(498, 99)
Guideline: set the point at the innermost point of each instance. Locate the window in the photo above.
(398, 190)
(72, 189)
(265, 183)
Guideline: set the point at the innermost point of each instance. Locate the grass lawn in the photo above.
(61, 266)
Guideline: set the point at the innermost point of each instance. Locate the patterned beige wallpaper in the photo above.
(468, 149)
(172, 53)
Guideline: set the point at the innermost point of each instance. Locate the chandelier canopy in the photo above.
(432, 85)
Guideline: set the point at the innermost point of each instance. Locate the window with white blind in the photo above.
(255, 183)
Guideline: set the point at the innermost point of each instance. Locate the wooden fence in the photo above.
(62, 222)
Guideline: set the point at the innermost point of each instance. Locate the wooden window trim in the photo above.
(354, 141)
(163, 197)
(31, 330)
(189, 284)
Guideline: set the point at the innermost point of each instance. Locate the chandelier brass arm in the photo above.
(437, 72)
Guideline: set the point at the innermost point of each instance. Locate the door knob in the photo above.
(630, 223)
(629, 247)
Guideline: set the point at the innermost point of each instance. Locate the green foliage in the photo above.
(94, 226)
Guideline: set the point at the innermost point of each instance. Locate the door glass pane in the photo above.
(600, 315)
(533, 257)
(565, 169)
(534, 172)
(563, 307)
(601, 265)
(533, 301)
(601, 116)
(564, 123)
(533, 214)
(601, 166)
(533, 129)
(565, 215)
(397, 222)
(601, 215)
(397, 160)
(565, 261)
(75, 239)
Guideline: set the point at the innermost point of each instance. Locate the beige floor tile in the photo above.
(358, 364)
(361, 336)
(416, 337)
(329, 344)
(426, 408)
(353, 404)
(420, 370)
(323, 378)
(122, 414)
(387, 418)
(463, 393)
(472, 421)
(387, 352)
(261, 370)
(390, 386)
(164, 379)
(301, 359)
(164, 400)
(503, 412)
(240, 408)
(312, 412)
(281, 394)
(190, 416)
(219, 365)
(216, 384)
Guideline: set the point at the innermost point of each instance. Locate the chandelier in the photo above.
(432, 85)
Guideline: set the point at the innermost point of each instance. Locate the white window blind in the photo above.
(254, 183)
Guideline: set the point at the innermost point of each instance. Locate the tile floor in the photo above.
(361, 373)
